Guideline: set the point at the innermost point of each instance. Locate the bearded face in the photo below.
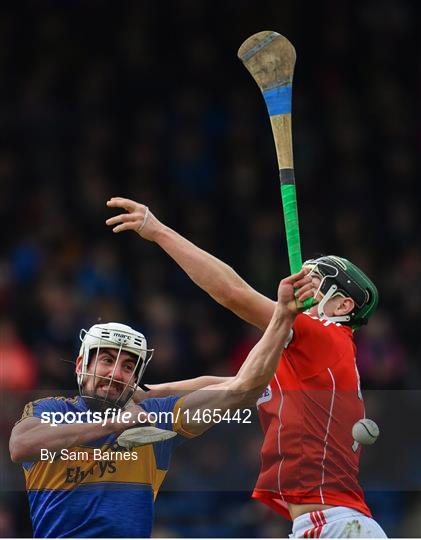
(110, 377)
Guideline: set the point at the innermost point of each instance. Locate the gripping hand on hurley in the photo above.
(293, 291)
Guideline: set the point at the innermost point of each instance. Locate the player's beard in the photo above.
(100, 400)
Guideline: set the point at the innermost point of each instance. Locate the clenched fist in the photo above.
(294, 290)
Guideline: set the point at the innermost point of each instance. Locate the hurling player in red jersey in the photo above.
(310, 461)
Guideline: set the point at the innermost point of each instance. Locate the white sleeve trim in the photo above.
(289, 338)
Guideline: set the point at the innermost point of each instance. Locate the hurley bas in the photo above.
(95, 454)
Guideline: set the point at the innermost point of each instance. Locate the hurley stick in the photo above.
(270, 59)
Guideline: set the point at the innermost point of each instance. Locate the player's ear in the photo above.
(78, 364)
(345, 306)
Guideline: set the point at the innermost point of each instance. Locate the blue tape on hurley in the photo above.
(278, 100)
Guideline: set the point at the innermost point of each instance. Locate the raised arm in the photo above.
(177, 388)
(215, 277)
(258, 368)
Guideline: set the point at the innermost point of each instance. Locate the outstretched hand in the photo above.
(294, 290)
(138, 218)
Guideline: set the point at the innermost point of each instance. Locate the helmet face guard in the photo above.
(338, 276)
(111, 336)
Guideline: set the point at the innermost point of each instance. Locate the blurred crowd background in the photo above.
(147, 100)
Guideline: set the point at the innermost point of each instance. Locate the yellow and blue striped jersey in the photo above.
(98, 498)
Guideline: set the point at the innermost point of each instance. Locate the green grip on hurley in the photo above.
(289, 204)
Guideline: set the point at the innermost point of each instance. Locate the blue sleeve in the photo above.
(34, 409)
(46, 405)
(161, 405)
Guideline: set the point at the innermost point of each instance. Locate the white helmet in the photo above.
(113, 336)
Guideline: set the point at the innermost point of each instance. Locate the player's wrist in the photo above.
(286, 312)
(109, 427)
(162, 234)
(282, 323)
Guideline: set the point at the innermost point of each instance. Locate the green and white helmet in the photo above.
(340, 276)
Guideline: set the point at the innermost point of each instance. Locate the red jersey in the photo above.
(307, 413)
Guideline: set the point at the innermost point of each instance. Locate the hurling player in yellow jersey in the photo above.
(79, 481)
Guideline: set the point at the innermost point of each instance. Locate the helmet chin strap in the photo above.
(321, 305)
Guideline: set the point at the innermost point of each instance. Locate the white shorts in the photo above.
(338, 522)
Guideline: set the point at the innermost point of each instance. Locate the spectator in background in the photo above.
(18, 366)
(7, 526)
(381, 355)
